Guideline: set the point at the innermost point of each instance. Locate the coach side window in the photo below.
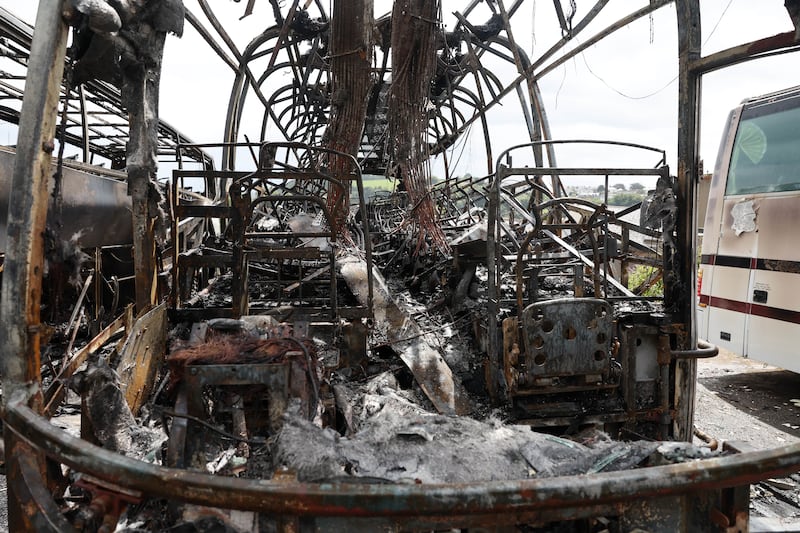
(766, 154)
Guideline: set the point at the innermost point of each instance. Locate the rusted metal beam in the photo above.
(401, 500)
(682, 262)
(777, 44)
(24, 262)
(20, 299)
(27, 486)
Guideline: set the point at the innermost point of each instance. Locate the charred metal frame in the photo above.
(283, 189)
(669, 491)
(518, 236)
(299, 110)
(189, 405)
(29, 438)
(22, 287)
(95, 121)
(301, 178)
(209, 211)
(92, 119)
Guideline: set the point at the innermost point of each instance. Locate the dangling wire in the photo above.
(573, 9)
(58, 174)
(718, 22)
(566, 22)
(533, 27)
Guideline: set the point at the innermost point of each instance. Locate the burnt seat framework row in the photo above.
(276, 225)
(270, 233)
(209, 213)
(589, 351)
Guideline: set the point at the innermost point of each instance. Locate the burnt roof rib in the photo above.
(96, 122)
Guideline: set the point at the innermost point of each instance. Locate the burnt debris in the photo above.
(297, 353)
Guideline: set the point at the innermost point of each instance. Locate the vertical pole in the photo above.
(680, 297)
(27, 213)
(140, 93)
(493, 357)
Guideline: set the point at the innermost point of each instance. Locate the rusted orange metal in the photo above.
(142, 356)
(20, 299)
(506, 502)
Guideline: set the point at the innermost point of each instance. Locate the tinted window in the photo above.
(766, 152)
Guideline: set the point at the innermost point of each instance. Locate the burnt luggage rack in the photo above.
(285, 245)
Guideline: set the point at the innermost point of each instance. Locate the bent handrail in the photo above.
(398, 500)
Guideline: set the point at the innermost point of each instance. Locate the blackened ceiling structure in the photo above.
(92, 116)
(283, 76)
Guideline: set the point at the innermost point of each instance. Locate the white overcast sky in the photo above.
(623, 89)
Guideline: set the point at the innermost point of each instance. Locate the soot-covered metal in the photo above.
(270, 346)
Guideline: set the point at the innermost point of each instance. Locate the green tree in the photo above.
(638, 187)
(624, 199)
(619, 186)
(646, 280)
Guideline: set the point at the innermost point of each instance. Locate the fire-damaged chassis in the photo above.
(543, 370)
(542, 354)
